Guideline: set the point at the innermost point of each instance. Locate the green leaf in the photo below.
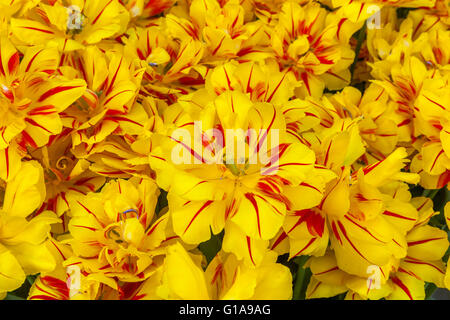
(402, 13)
(162, 201)
(429, 290)
(32, 278)
(10, 296)
(302, 278)
(211, 247)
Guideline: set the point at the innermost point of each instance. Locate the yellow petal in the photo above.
(429, 271)
(183, 278)
(11, 273)
(427, 243)
(10, 162)
(36, 230)
(34, 258)
(252, 251)
(133, 231)
(192, 220)
(259, 217)
(317, 289)
(32, 32)
(406, 287)
(274, 282)
(26, 192)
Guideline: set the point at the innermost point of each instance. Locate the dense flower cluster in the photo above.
(200, 149)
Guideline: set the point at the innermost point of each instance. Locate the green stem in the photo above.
(299, 287)
(361, 37)
(31, 280)
(431, 193)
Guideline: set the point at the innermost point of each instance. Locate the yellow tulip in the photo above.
(226, 278)
(22, 234)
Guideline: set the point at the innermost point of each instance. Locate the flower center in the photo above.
(238, 169)
(115, 234)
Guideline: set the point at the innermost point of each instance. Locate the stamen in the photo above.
(131, 210)
(62, 163)
(348, 111)
(234, 169)
(115, 234)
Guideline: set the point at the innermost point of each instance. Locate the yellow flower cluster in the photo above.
(197, 149)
